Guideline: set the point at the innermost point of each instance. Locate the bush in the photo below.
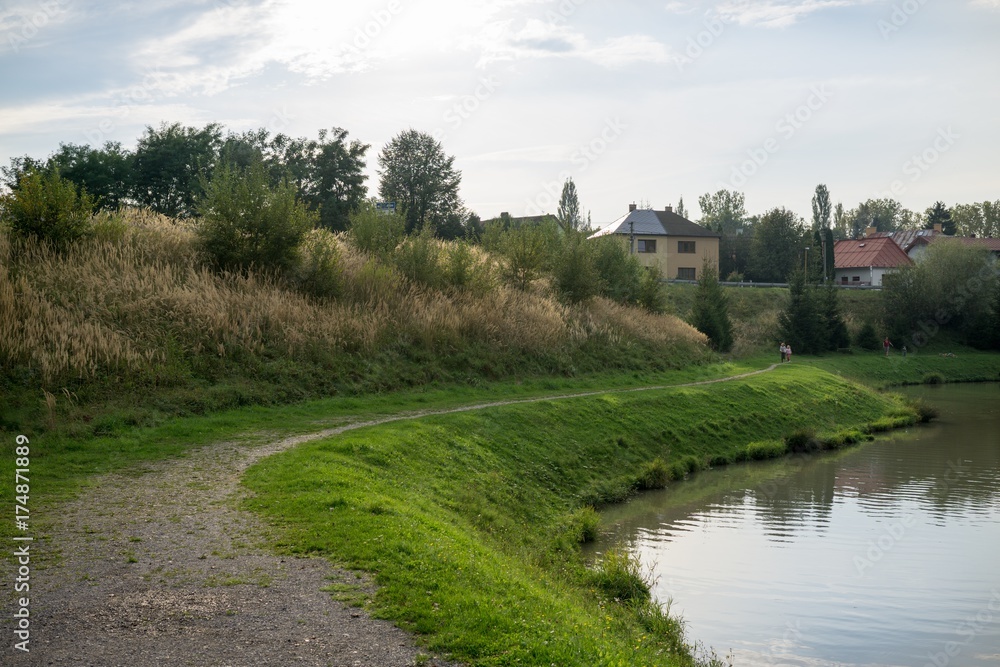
(319, 270)
(376, 233)
(575, 272)
(620, 273)
(585, 524)
(48, 207)
(933, 378)
(867, 338)
(925, 411)
(247, 223)
(619, 577)
(802, 441)
(652, 294)
(765, 449)
(419, 259)
(654, 475)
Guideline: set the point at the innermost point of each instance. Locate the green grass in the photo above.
(466, 521)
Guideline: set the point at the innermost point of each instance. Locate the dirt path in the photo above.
(159, 567)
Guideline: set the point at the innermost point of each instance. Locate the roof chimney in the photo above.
(669, 209)
(631, 207)
(939, 228)
(870, 231)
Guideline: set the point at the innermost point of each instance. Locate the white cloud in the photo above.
(777, 13)
(988, 4)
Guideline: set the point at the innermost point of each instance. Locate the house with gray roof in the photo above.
(665, 239)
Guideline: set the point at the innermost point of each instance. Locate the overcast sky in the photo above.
(635, 100)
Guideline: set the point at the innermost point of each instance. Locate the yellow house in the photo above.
(665, 239)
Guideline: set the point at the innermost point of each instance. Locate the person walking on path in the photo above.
(788, 353)
(886, 344)
(784, 351)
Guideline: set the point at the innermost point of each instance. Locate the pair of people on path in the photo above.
(786, 352)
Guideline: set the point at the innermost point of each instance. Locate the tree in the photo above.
(821, 208)
(336, 182)
(575, 270)
(681, 211)
(171, 166)
(799, 322)
(833, 329)
(885, 215)
(724, 212)
(982, 220)
(840, 221)
(18, 169)
(774, 252)
(415, 172)
(104, 173)
(569, 215)
(47, 207)
(248, 223)
(938, 214)
(710, 313)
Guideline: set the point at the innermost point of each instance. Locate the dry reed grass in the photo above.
(113, 306)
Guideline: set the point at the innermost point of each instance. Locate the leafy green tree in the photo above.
(799, 322)
(171, 165)
(981, 220)
(19, 168)
(774, 252)
(841, 222)
(104, 173)
(885, 215)
(248, 223)
(710, 313)
(620, 273)
(938, 214)
(821, 208)
(415, 172)
(376, 233)
(569, 215)
(575, 270)
(829, 258)
(724, 212)
(525, 251)
(49, 208)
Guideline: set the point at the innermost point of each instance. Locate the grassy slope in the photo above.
(458, 516)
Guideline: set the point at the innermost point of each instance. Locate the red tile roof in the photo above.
(876, 252)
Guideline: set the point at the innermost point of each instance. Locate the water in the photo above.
(886, 554)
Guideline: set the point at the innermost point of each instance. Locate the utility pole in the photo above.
(805, 263)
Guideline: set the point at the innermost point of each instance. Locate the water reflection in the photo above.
(871, 556)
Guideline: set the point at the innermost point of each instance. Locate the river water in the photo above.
(885, 554)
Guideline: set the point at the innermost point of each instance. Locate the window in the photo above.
(647, 245)
(843, 279)
(686, 247)
(856, 279)
(686, 274)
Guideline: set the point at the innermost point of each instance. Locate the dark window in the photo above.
(856, 279)
(686, 274)
(843, 279)
(686, 247)
(647, 246)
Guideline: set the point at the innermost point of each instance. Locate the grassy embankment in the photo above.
(468, 521)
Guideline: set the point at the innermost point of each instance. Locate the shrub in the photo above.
(867, 338)
(48, 207)
(419, 259)
(585, 524)
(933, 378)
(765, 449)
(319, 271)
(925, 411)
(575, 272)
(802, 441)
(619, 577)
(652, 294)
(247, 223)
(620, 273)
(654, 475)
(376, 233)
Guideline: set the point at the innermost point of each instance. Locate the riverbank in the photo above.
(468, 522)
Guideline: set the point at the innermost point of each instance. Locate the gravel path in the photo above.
(159, 567)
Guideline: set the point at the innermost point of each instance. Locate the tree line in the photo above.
(172, 166)
(770, 246)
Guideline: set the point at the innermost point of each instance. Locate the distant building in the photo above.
(665, 239)
(866, 261)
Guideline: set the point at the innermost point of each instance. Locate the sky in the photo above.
(636, 101)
